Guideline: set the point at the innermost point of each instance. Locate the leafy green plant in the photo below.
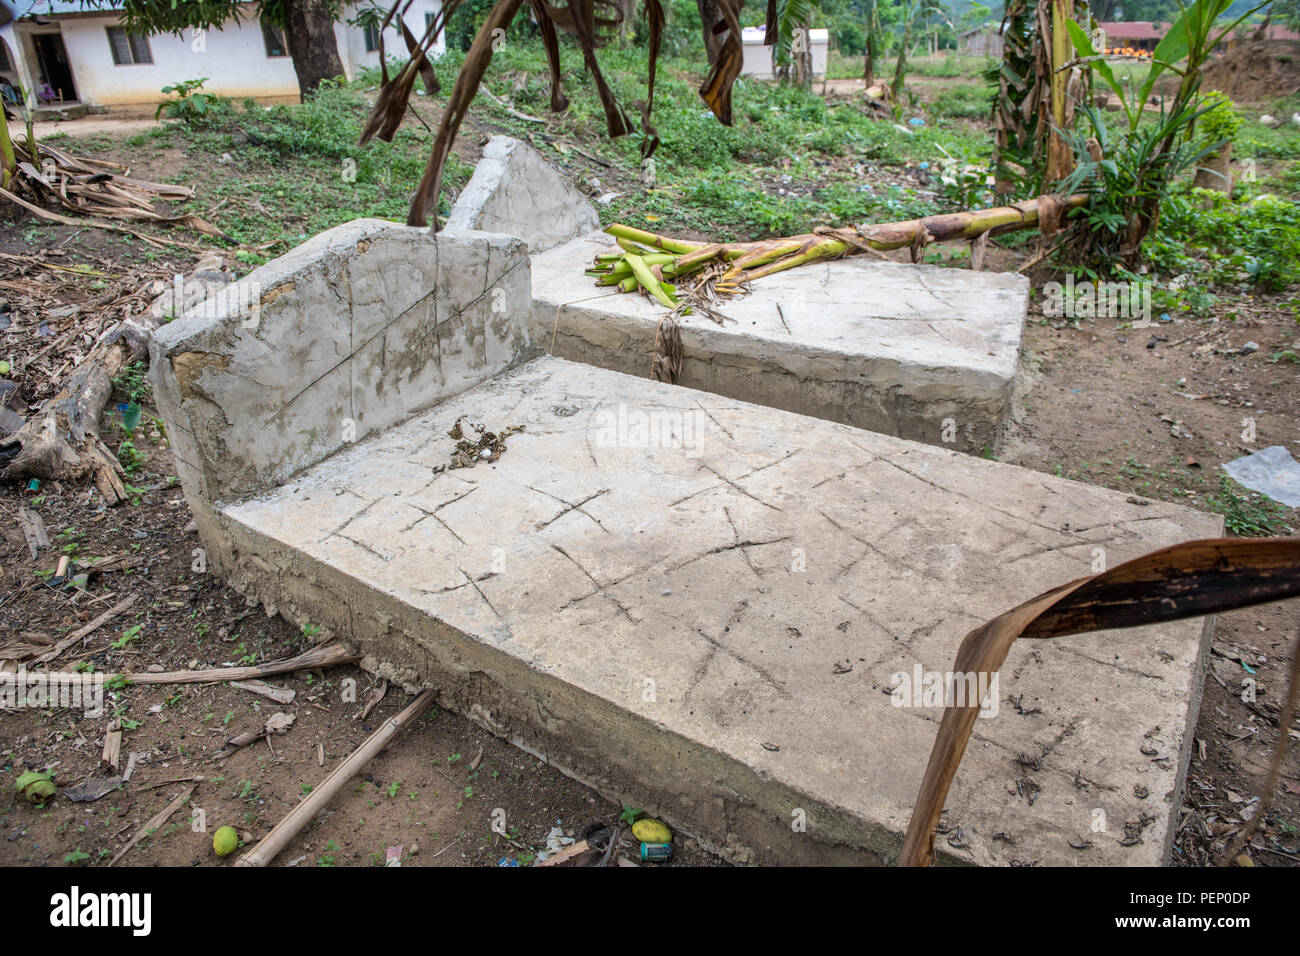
(130, 635)
(130, 457)
(1245, 514)
(133, 382)
(191, 106)
(1220, 122)
(1132, 177)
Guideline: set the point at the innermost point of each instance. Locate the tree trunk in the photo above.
(309, 32)
(709, 19)
(1215, 171)
(627, 10)
(61, 442)
(900, 69)
(1060, 162)
(802, 55)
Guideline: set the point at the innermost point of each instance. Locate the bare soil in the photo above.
(1255, 72)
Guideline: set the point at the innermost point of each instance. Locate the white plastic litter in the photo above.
(1270, 471)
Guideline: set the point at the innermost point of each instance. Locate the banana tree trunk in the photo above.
(1060, 162)
(900, 68)
(8, 161)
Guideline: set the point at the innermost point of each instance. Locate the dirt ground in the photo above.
(436, 791)
(1151, 411)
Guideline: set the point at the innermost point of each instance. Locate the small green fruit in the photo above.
(225, 841)
(35, 786)
(4, 368)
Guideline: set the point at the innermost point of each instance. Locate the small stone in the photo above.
(1249, 347)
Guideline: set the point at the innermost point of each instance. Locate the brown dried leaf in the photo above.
(1186, 580)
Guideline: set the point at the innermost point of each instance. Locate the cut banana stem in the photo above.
(648, 281)
(665, 243)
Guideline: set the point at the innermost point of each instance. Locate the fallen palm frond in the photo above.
(41, 175)
(687, 276)
(1187, 580)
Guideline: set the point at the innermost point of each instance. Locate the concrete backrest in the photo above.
(516, 192)
(348, 334)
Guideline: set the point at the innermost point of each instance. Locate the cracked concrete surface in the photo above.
(915, 351)
(712, 632)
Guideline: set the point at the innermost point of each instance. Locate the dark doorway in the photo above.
(52, 58)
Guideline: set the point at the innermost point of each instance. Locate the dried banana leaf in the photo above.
(1186, 580)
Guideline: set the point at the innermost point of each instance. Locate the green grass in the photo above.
(790, 161)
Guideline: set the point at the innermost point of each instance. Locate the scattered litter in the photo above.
(277, 723)
(281, 695)
(1270, 471)
(91, 789)
(656, 852)
(488, 446)
(393, 857)
(557, 841)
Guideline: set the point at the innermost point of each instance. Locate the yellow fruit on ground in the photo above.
(225, 841)
(651, 831)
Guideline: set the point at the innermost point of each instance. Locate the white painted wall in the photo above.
(758, 57)
(233, 59)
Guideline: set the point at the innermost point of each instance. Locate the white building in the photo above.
(86, 56)
(758, 56)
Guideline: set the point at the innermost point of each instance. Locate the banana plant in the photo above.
(787, 34)
(1136, 168)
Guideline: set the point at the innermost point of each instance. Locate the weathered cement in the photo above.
(671, 623)
(694, 603)
(915, 351)
(351, 332)
(515, 192)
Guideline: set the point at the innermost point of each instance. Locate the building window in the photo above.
(428, 21)
(372, 38)
(128, 48)
(273, 39)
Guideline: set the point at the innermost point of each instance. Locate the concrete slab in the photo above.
(914, 351)
(698, 605)
(515, 192)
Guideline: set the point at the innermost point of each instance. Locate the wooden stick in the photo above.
(327, 656)
(154, 822)
(318, 799)
(112, 745)
(86, 631)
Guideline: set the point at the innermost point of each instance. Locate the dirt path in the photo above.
(96, 126)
